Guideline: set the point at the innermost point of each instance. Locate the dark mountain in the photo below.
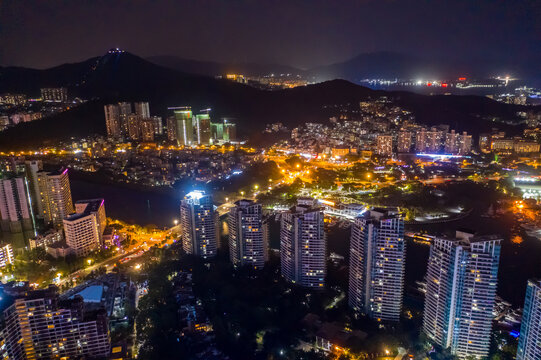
(209, 68)
(117, 75)
(125, 77)
(385, 65)
(29, 81)
(390, 65)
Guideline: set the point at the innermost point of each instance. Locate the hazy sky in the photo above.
(302, 33)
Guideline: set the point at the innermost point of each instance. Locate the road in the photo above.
(140, 246)
(401, 353)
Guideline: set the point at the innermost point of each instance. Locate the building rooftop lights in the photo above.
(195, 194)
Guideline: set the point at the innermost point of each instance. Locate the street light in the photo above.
(175, 222)
(256, 187)
(242, 193)
(89, 261)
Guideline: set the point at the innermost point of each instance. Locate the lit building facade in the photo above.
(434, 140)
(124, 109)
(202, 127)
(37, 327)
(157, 124)
(16, 212)
(82, 234)
(303, 245)
(172, 129)
(502, 145)
(198, 220)
(485, 142)
(96, 207)
(54, 94)
(377, 264)
(451, 142)
(6, 255)
(112, 120)
(465, 142)
(223, 131)
(183, 125)
(230, 131)
(461, 278)
(523, 147)
(248, 242)
(421, 140)
(529, 342)
(55, 196)
(142, 109)
(404, 142)
(134, 127)
(32, 167)
(147, 129)
(384, 145)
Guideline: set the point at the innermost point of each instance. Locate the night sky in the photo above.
(302, 33)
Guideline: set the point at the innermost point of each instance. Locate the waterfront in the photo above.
(134, 206)
(519, 261)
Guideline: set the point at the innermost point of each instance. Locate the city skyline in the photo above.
(307, 180)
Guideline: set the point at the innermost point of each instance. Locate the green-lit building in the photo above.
(183, 125)
(223, 131)
(203, 127)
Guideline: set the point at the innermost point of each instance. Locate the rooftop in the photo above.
(74, 217)
(92, 205)
(379, 213)
(58, 172)
(91, 294)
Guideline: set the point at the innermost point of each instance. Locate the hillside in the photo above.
(126, 77)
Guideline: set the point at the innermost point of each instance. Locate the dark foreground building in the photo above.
(40, 326)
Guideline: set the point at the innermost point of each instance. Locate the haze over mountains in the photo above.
(210, 68)
(126, 77)
(387, 65)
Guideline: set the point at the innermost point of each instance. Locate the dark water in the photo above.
(518, 262)
(141, 207)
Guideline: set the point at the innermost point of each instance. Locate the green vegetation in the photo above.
(157, 323)
(38, 267)
(281, 195)
(259, 174)
(255, 315)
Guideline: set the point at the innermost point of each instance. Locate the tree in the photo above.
(294, 160)
(325, 178)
